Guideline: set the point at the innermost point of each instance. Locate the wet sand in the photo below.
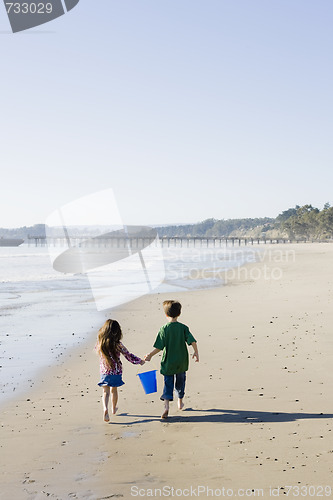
(258, 412)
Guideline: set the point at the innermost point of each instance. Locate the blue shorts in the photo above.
(111, 381)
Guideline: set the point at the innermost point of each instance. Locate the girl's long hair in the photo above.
(108, 340)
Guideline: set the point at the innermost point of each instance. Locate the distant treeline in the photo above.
(40, 230)
(214, 227)
(306, 222)
(23, 232)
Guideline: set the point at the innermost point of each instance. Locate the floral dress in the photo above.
(112, 376)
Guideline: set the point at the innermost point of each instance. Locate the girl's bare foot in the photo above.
(180, 404)
(165, 414)
(106, 416)
(114, 410)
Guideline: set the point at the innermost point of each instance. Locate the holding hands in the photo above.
(151, 354)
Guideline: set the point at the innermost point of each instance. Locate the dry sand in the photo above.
(259, 409)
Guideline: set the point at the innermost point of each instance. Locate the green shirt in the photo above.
(172, 339)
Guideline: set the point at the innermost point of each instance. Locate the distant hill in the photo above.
(301, 222)
(23, 232)
(306, 222)
(219, 228)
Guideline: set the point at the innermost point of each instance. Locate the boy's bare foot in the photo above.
(180, 404)
(166, 409)
(106, 416)
(114, 410)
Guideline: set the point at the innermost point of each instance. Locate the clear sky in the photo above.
(188, 109)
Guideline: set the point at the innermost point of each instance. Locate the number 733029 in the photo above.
(29, 8)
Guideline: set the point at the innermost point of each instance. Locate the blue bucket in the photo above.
(148, 381)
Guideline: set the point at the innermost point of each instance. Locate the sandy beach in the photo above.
(258, 414)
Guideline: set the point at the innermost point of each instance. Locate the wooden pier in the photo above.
(166, 242)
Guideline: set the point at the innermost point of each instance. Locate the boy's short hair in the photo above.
(172, 308)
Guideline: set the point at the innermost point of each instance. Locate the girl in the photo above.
(109, 348)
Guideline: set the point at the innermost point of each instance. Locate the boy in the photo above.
(172, 339)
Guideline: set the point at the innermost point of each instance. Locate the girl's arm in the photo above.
(151, 354)
(131, 357)
(196, 353)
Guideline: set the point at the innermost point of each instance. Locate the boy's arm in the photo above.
(151, 354)
(196, 353)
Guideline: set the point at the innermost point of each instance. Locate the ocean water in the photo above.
(44, 312)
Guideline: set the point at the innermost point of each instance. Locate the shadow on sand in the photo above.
(215, 415)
